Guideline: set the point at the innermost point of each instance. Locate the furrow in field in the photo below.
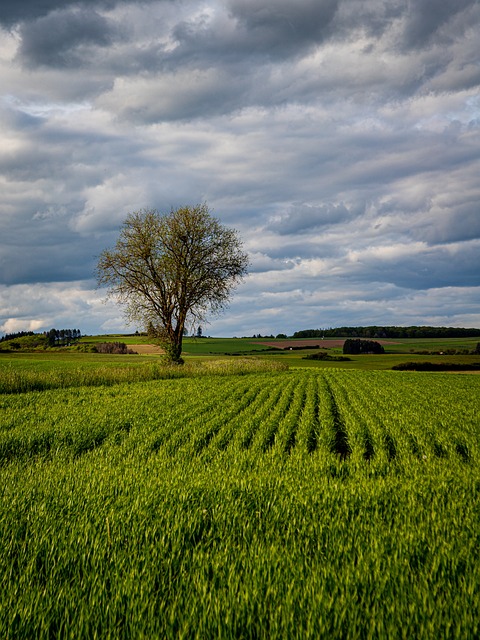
(365, 416)
(286, 436)
(253, 422)
(308, 423)
(265, 437)
(412, 408)
(233, 408)
(200, 415)
(332, 437)
(259, 392)
(339, 443)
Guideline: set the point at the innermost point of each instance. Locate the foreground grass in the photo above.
(272, 505)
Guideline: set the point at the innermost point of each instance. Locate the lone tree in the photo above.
(172, 269)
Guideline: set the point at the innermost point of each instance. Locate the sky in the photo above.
(341, 138)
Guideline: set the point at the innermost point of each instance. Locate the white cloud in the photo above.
(72, 305)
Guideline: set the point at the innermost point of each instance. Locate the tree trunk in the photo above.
(173, 345)
(175, 351)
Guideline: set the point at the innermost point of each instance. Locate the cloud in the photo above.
(282, 28)
(340, 137)
(13, 12)
(176, 96)
(70, 305)
(436, 20)
(302, 218)
(65, 38)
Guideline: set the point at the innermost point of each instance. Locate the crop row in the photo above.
(388, 417)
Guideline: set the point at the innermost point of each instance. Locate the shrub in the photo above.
(355, 346)
(113, 347)
(323, 355)
(436, 366)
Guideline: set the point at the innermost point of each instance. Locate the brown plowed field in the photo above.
(146, 349)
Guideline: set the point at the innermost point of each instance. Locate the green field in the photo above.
(277, 504)
(397, 351)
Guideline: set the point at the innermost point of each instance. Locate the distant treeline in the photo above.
(388, 332)
(58, 337)
(13, 336)
(54, 337)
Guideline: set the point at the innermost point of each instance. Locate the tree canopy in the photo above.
(172, 269)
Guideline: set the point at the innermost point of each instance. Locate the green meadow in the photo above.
(396, 352)
(233, 498)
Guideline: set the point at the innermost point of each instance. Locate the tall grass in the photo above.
(16, 380)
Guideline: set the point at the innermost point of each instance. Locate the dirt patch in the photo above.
(147, 349)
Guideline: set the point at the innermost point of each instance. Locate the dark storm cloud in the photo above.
(44, 151)
(17, 11)
(282, 27)
(414, 24)
(435, 20)
(63, 262)
(207, 67)
(302, 218)
(373, 17)
(64, 38)
(250, 28)
(49, 251)
(427, 268)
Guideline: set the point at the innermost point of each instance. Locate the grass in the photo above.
(225, 346)
(20, 379)
(378, 362)
(281, 504)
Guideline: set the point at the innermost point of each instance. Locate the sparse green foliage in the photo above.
(169, 270)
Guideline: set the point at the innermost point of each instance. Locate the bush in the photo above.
(436, 366)
(323, 355)
(113, 347)
(355, 346)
